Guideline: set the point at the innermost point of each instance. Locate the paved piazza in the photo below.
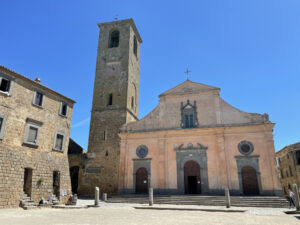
(114, 213)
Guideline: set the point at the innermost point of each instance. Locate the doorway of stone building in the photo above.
(249, 180)
(27, 181)
(192, 179)
(141, 184)
(74, 173)
(56, 183)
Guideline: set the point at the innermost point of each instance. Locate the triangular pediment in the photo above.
(188, 87)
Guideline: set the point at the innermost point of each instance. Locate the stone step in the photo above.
(240, 201)
(30, 207)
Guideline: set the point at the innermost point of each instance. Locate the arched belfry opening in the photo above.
(114, 39)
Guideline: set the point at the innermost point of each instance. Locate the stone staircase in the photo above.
(55, 201)
(27, 202)
(238, 201)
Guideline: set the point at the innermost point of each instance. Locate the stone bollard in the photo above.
(296, 192)
(96, 196)
(150, 196)
(104, 197)
(227, 197)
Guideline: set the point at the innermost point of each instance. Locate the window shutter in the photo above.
(59, 141)
(32, 134)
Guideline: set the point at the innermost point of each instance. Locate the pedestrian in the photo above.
(292, 198)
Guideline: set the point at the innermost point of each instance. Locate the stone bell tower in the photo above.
(115, 102)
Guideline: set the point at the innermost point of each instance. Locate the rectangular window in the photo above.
(298, 157)
(110, 99)
(38, 99)
(32, 131)
(63, 109)
(281, 173)
(4, 85)
(105, 135)
(2, 125)
(32, 135)
(59, 141)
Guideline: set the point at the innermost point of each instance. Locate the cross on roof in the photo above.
(187, 73)
(116, 17)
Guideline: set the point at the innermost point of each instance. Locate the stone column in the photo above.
(227, 197)
(150, 196)
(104, 197)
(296, 197)
(96, 196)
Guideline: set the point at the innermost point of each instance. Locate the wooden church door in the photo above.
(141, 181)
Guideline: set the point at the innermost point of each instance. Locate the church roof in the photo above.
(188, 87)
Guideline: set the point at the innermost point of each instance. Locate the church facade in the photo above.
(194, 142)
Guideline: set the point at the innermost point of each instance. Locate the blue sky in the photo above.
(250, 49)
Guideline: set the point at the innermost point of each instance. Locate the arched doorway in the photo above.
(249, 180)
(74, 172)
(141, 184)
(192, 180)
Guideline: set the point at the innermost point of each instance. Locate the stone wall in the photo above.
(15, 155)
(12, 165)
(288, 168)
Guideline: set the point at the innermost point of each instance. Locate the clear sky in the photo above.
(248, 48)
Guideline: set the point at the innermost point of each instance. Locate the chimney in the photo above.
(38, 80)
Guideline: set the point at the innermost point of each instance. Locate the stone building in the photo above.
(77, 159)
(35, 126)
(194, 142)
(115, 102)
(289, 166)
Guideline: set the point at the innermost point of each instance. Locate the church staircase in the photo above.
(237, 201)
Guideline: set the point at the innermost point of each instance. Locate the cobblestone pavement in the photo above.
(108, 214)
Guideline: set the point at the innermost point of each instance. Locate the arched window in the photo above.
(135, 46)
(114, 39)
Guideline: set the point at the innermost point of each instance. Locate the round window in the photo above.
(142, 151)
(245, 147)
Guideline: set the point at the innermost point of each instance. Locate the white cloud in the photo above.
(81, 123)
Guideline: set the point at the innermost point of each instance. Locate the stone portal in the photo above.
(249, 179)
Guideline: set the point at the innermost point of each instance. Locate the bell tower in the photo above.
(115, 102)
